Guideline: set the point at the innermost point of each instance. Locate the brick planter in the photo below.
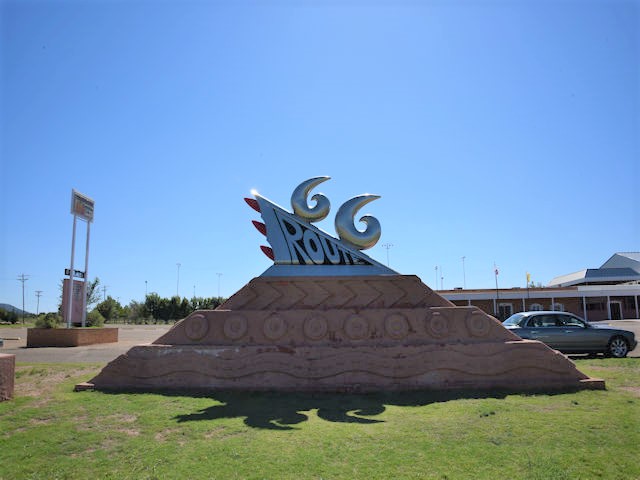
(70, 337)
(7, 376)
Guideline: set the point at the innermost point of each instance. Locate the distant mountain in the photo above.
(11, 308)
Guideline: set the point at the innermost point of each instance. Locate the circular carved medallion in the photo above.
(315, 327)
(235, 326)
(396, 326)
(274, 327)
(436, 325)
(196, 326)
(478, 324)
(356, 327)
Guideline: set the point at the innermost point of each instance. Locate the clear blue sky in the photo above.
(500, 131)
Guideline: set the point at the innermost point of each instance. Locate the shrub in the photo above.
(8, 316)
(48, 320)
(95, 319)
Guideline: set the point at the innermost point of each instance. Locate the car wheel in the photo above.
(618, 347)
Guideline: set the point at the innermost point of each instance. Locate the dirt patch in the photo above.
(40, 421)
(39, 382)
(164, 434)
(123, 418)
(634, 390)
(214, 433)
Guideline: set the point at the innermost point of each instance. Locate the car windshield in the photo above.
(514, 319)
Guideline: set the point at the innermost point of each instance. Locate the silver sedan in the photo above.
(571, 334)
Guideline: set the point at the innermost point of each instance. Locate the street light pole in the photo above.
(219, 275)
(178, 281)
(464, 275)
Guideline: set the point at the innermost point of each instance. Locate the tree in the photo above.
(137, 312)
(109, 309)
(152, 304)
(93, 292)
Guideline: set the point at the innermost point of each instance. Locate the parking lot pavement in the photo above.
(128, 336)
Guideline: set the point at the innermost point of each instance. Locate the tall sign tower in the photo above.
(74, 294)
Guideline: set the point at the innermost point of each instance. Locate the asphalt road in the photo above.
(130, 335)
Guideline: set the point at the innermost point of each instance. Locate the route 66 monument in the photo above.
(327, 317)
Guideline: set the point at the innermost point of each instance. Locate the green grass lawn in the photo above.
(50, 432)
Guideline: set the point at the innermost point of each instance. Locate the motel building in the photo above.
(611, 292)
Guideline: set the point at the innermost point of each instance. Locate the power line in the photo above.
(38, 294)
(23, 278)
(387, 246)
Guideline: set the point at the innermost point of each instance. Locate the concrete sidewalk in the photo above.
(128, 336)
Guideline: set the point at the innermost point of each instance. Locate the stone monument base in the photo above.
(355, 333)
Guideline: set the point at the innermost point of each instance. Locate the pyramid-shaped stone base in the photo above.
(357, 333)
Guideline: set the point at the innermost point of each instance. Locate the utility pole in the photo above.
(387, 246)
(441, 278)
(219, 275)
(104, 292)
(23, 278)
(38, 294)
(145, 289)
(436, 278)
(497, 309)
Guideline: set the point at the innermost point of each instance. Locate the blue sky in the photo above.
(500, 131)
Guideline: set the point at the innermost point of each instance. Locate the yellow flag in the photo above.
(528, 278)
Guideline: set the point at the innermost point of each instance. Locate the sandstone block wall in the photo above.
(70, 337)
(7, 375)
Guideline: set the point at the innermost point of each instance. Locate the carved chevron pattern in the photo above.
(334, 292)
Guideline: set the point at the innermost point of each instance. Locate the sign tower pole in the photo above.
(70, 287)
(86, 278)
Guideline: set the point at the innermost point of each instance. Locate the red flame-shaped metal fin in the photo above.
(267, 251)
(261, 227)
(253, 203)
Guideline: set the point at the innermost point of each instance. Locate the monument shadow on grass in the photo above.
(279, 411)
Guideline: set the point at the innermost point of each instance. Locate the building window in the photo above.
(505, 310)
(558, 307)
(536, 307)
(595, 305)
